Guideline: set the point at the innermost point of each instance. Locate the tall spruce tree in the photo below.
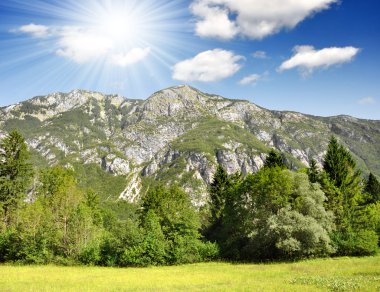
(313, 171)
(218, 188)
(343, 185)
(221, 191)
(372, 188)
(15, 173)
(355, 224)
(339, 165)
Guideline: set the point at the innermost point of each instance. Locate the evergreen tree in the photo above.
(340, 169)
(372, 188)
(313, 171)
(15, 173)
(274, 159)
(221, 189)
(339, 165)
(218, 187)
(355, 233)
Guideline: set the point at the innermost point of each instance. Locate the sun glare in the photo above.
(121, 25)
(106, 42)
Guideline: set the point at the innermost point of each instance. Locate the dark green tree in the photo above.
(218, 188)
(340, 166)
(274, 159)
(15, 173)
(372, 188)
(221, 188)
(313, 171)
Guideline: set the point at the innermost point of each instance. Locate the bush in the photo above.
(90, 254)
(208, 251)
(356, 243)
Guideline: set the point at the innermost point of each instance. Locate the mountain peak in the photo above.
(178, 133)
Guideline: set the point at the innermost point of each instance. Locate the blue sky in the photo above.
(319, 57)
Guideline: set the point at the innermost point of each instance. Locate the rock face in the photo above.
(177, 135)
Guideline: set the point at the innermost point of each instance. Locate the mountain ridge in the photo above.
(179, 134)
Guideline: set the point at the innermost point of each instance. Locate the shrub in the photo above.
(356, 243)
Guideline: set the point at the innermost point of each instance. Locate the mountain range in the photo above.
(120, 147)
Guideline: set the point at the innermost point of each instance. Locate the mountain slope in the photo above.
(121, 146)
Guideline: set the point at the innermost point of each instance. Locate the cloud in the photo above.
(212, 65)
(82, 46)
(251, 79)
(367, 101)
(214, 21)
(307, 59)
(260, 55)
(133, 56)
(35, 30)
(256, 19)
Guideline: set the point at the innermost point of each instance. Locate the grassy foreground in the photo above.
(341, 274)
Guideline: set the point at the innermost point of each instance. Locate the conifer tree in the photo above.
(340, 169)
(339, 165)
(15, 173)
(218, 188)
(313, 171)
(274, 159)
(372, 188)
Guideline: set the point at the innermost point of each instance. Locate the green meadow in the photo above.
(332, 274)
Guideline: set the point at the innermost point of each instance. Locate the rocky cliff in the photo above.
(122, 146)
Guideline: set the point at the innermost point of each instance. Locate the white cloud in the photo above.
(82, 46)
(133, 56)
(35, 30)
(255, 19)
(260, 55)
(307, 59)
(367, 100)
(208, 66)
(214, 21)
(251, 79)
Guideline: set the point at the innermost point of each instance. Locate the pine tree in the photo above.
(274, 159)
(355, 226)
(339, 165)
(313, 171)
(218, 188)
(15, 173)
(340, 168)
(372, 188)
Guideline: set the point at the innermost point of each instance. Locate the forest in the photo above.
(276, 214)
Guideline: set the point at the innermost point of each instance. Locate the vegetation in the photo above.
(15, 175)
(218, 132)
(274, 159)
(275, 214)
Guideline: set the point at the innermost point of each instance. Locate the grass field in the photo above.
(341, 274)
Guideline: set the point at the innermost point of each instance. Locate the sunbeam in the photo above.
(98, 44)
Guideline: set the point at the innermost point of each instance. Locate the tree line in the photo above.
(273, 214)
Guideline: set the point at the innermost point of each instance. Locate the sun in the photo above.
(123, 24)
(120, 27)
